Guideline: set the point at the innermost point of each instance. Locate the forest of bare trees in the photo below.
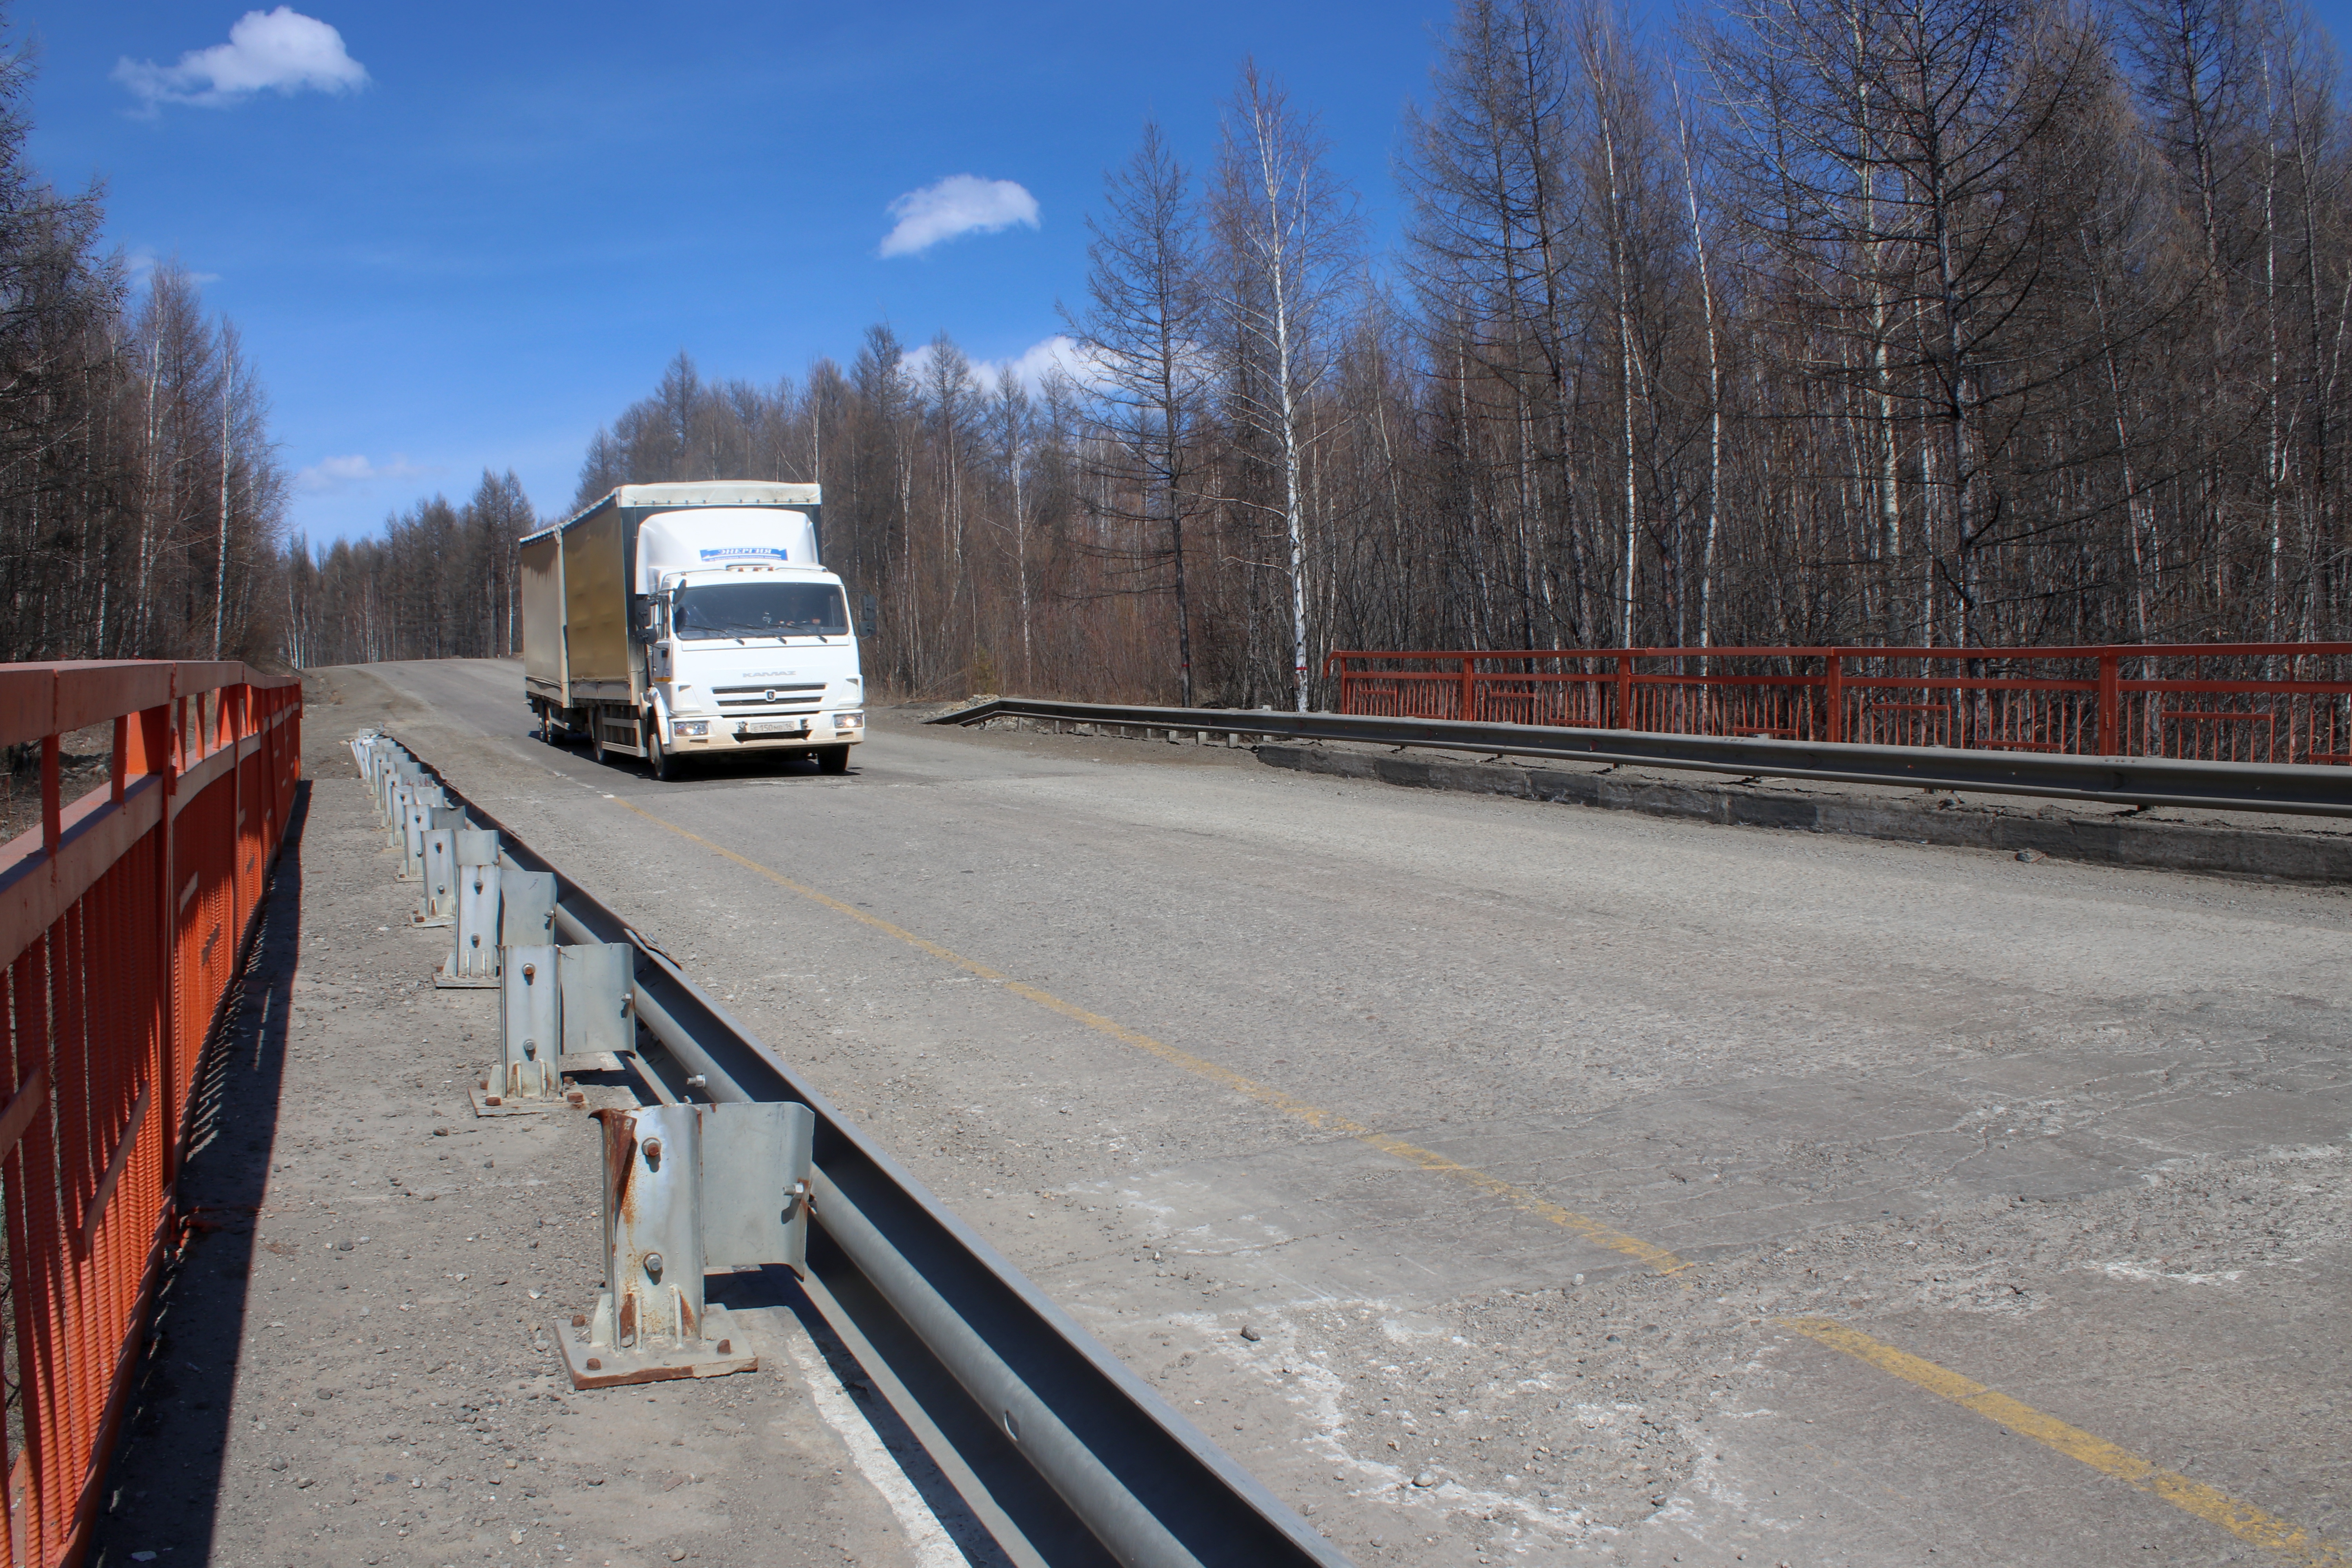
(440, 584)
(141, 499)
(1952, 322)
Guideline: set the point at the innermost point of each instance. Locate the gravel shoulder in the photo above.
(351, 1361)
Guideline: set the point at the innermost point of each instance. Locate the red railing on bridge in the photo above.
(123, 921)
(2250, 702)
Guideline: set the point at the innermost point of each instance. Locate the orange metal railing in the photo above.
(123, 921)
(2250, 702)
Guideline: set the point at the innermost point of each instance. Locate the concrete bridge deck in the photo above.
(1591, 1187)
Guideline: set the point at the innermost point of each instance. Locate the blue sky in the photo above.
(496, 240)
(480, 231)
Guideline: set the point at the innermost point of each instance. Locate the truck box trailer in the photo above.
(681, 620)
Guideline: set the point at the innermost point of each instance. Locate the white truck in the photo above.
(677, 621)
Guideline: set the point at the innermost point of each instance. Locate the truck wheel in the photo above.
(596, 736)
(832, 759)
(658, 757)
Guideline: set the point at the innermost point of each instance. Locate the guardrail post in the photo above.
(2110, 700)
(52, 807)
(437, 905)
(1469, 686)
(424, 803)
(652, 1227)
(688, 1188)
(474, 947)
(530, 1034)
(1624, 691)
(561, 1009)
(1836, 693)
(147, 749)
(395, 811)
(399, 779)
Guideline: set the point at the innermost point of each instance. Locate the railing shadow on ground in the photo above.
(163, 1485)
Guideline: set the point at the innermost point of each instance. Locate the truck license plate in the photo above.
(775, 726)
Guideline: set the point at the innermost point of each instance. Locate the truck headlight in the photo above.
(848, 721)
(690, 729)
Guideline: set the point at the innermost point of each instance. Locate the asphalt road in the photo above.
(1594, 1187)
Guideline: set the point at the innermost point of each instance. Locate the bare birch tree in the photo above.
(1290, 237)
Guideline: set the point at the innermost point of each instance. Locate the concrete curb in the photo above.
(2155, 846)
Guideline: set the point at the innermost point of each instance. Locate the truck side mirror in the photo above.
(865, 615)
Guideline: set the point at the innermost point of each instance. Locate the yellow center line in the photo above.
(1599, 1232)
(2242, 1519)
(2249, 1523)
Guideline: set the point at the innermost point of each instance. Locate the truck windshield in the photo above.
(760, 610)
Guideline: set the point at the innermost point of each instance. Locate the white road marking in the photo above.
(934, 1547)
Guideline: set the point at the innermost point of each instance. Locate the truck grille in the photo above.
(780, 699)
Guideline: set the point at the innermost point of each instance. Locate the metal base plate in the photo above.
(592, 1366)
(488, 1104)
(448, 982)
(435, 921)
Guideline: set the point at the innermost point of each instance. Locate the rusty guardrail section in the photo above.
(123, 916)
(2224, 702)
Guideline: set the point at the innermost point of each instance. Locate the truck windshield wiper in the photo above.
(705, 633)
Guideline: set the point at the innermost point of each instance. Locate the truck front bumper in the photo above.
(798, 733)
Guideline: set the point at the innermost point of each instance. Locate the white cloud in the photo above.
(1057, 352)
(142, 263)
(337, 473)
(282, 50)
(1027, 367)
(960, 204)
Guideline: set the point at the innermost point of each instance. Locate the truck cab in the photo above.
(753, 658)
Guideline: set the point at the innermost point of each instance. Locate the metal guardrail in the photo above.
(125, 918)
(2221, 702)
(2291, 788)
(1063, 1452)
